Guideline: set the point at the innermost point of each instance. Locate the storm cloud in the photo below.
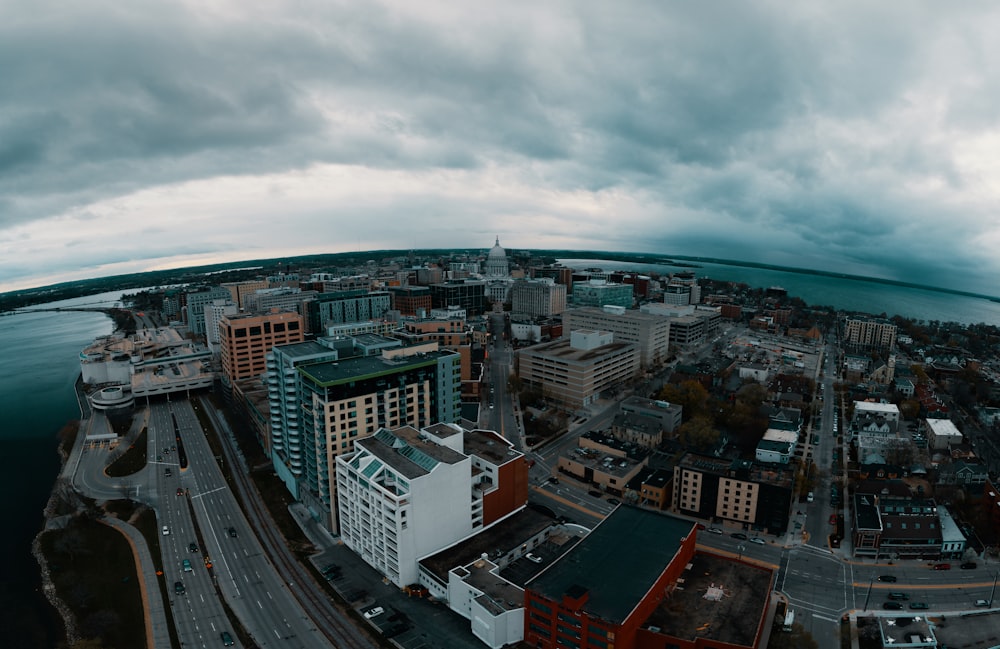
(844, 136)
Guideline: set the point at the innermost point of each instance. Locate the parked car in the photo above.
(533, 558)
(942, 566)
(982, 602)
(714, 530)
(919, 605)
(891, 579)
(892, 606)
(739, 536)
(373, 612)
(968, 565)
(614, 501)
(758, 540)
(902, 596)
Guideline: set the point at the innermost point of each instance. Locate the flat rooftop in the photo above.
(563, 350)
(305, 350)
(618, 562)
(489, 446)
(495, 541)
(715, 599)
(363, 367)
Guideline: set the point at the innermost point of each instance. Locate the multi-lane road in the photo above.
(201, 523)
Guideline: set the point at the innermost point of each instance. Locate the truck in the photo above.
(789, 620)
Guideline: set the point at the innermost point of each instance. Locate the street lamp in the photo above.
(741, 548)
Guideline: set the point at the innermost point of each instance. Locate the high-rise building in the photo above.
(246, 339)
(649, 333)
(405, 493)
(352, 398)
(288, 455)
(214, 313)
(328, 309)
(599, 292)
(238, 291)
(537, 298)
(196, 301)
(870, 333)
(411, 300)
(465, 294)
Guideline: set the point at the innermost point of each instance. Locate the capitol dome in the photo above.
(496, 262)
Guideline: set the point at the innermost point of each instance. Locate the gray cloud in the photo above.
(839, 135)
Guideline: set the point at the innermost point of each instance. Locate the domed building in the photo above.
(496, 262)
(496, 271)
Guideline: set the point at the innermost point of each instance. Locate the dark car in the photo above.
(232, 532)
(179, 588)
(902, 596)
(614, 501)
(968, 565)
(740, 536)
(193, 547)
(892, 606)
(227, 639)
(887, 578)
(919, 605)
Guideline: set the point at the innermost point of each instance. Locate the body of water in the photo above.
(841, 293)
(37, 398)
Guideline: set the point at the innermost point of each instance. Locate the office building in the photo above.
(463, 293)
(411, 300)
(649, 333)
(238, 291)
(574, 371)
(537, 298)
(196, 302)
(245, 341)
(599, 292)
(214, 313)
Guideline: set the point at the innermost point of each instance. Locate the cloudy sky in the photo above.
(860, 137)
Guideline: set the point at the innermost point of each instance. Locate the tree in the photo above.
(690, 395)
(698, 433)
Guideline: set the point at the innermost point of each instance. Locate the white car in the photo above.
(534, 558)
(373, 612)
(758, 540)
(166, 530)
(714, 530)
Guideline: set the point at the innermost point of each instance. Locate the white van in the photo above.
(809, 497)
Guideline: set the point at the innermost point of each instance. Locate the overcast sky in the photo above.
(858, 137)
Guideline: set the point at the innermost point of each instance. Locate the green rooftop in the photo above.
(365, 367)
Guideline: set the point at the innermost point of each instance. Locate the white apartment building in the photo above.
(405, 493)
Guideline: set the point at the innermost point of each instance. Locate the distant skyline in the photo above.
(848, 137)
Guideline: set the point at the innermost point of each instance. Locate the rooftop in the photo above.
(495, 541)
(563, 350)
(618, 562)
(716, 599)
(364, 367)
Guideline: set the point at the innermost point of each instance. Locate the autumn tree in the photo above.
(698, 433)
(690, 395)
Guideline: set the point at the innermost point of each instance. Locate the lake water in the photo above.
(841, 293)
(37, 398)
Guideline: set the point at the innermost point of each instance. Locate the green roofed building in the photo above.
(345, 400)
